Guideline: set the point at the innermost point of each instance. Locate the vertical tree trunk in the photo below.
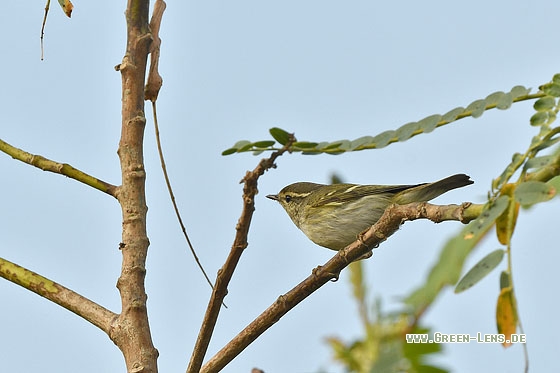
(131, 331)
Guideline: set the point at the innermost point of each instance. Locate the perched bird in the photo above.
(332, 216)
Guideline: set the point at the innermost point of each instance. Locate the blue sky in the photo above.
(325, 70)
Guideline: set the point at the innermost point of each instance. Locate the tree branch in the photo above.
(388, 224)
(56, 293)
(239, 244)
(58, 168)
(155, 80)
(131, 332)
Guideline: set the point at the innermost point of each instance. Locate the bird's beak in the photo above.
(273, 196)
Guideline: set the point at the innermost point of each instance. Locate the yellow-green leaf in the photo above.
(506, 314)
(552, 89)
(539, 162)
(555, 183)
(504, 101)
(476, 108)
(519, 91)
(544, 103)
(505, 281)
(452, 115)
(67, 7)
(480, 270)
(383, 138)
(452, 257)
(475, 229)
(494, 98)
(531, 192)
(505, 224)
(539, 118)
(405, 131)
(361, 141)
(429, 123)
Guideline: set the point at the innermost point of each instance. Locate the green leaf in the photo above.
(304, 144)
(476, 229)
(547, 143)
(428, 124)
(332, 145)
(383, 139)
(322, 145)
(420, 354)
(241, 143)
(505, 281)
(236, 147)
(544, 103)
(476, 108)
(531, 192)
(516, 162)
(452, 115)
(264, 144)
(405, 131)
(551, 89)
(494, 98)
(519, 91)
(359, 288)
(452, 257)
(480, 270)
(539, 118)
(555, 183)
(336, 152)
(279, 135)
(245, 147)
(539, 162)
(361, 141)
(229, 151)
(345, 145)
(504, 102)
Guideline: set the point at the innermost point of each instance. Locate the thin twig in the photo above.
(172, 196)
(56, 293)
(58, 168)
(47, 6)
(388, 224)
(151, 92)
(239, 244)
(67, 7)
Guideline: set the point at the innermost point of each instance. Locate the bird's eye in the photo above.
(288, 199)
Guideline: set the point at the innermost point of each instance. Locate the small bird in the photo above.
(333, 216)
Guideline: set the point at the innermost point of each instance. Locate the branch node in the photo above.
(137, 367)
(315, 270)
(335, 277)
(461, 212)
(422, 210)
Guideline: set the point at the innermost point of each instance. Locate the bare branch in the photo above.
(239, 244)
(131, 332)
(388, 224)
(155, 80)
(56, 293)
(173, 202)
(58, 168)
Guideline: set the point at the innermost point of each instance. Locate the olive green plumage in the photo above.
(333, 215)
